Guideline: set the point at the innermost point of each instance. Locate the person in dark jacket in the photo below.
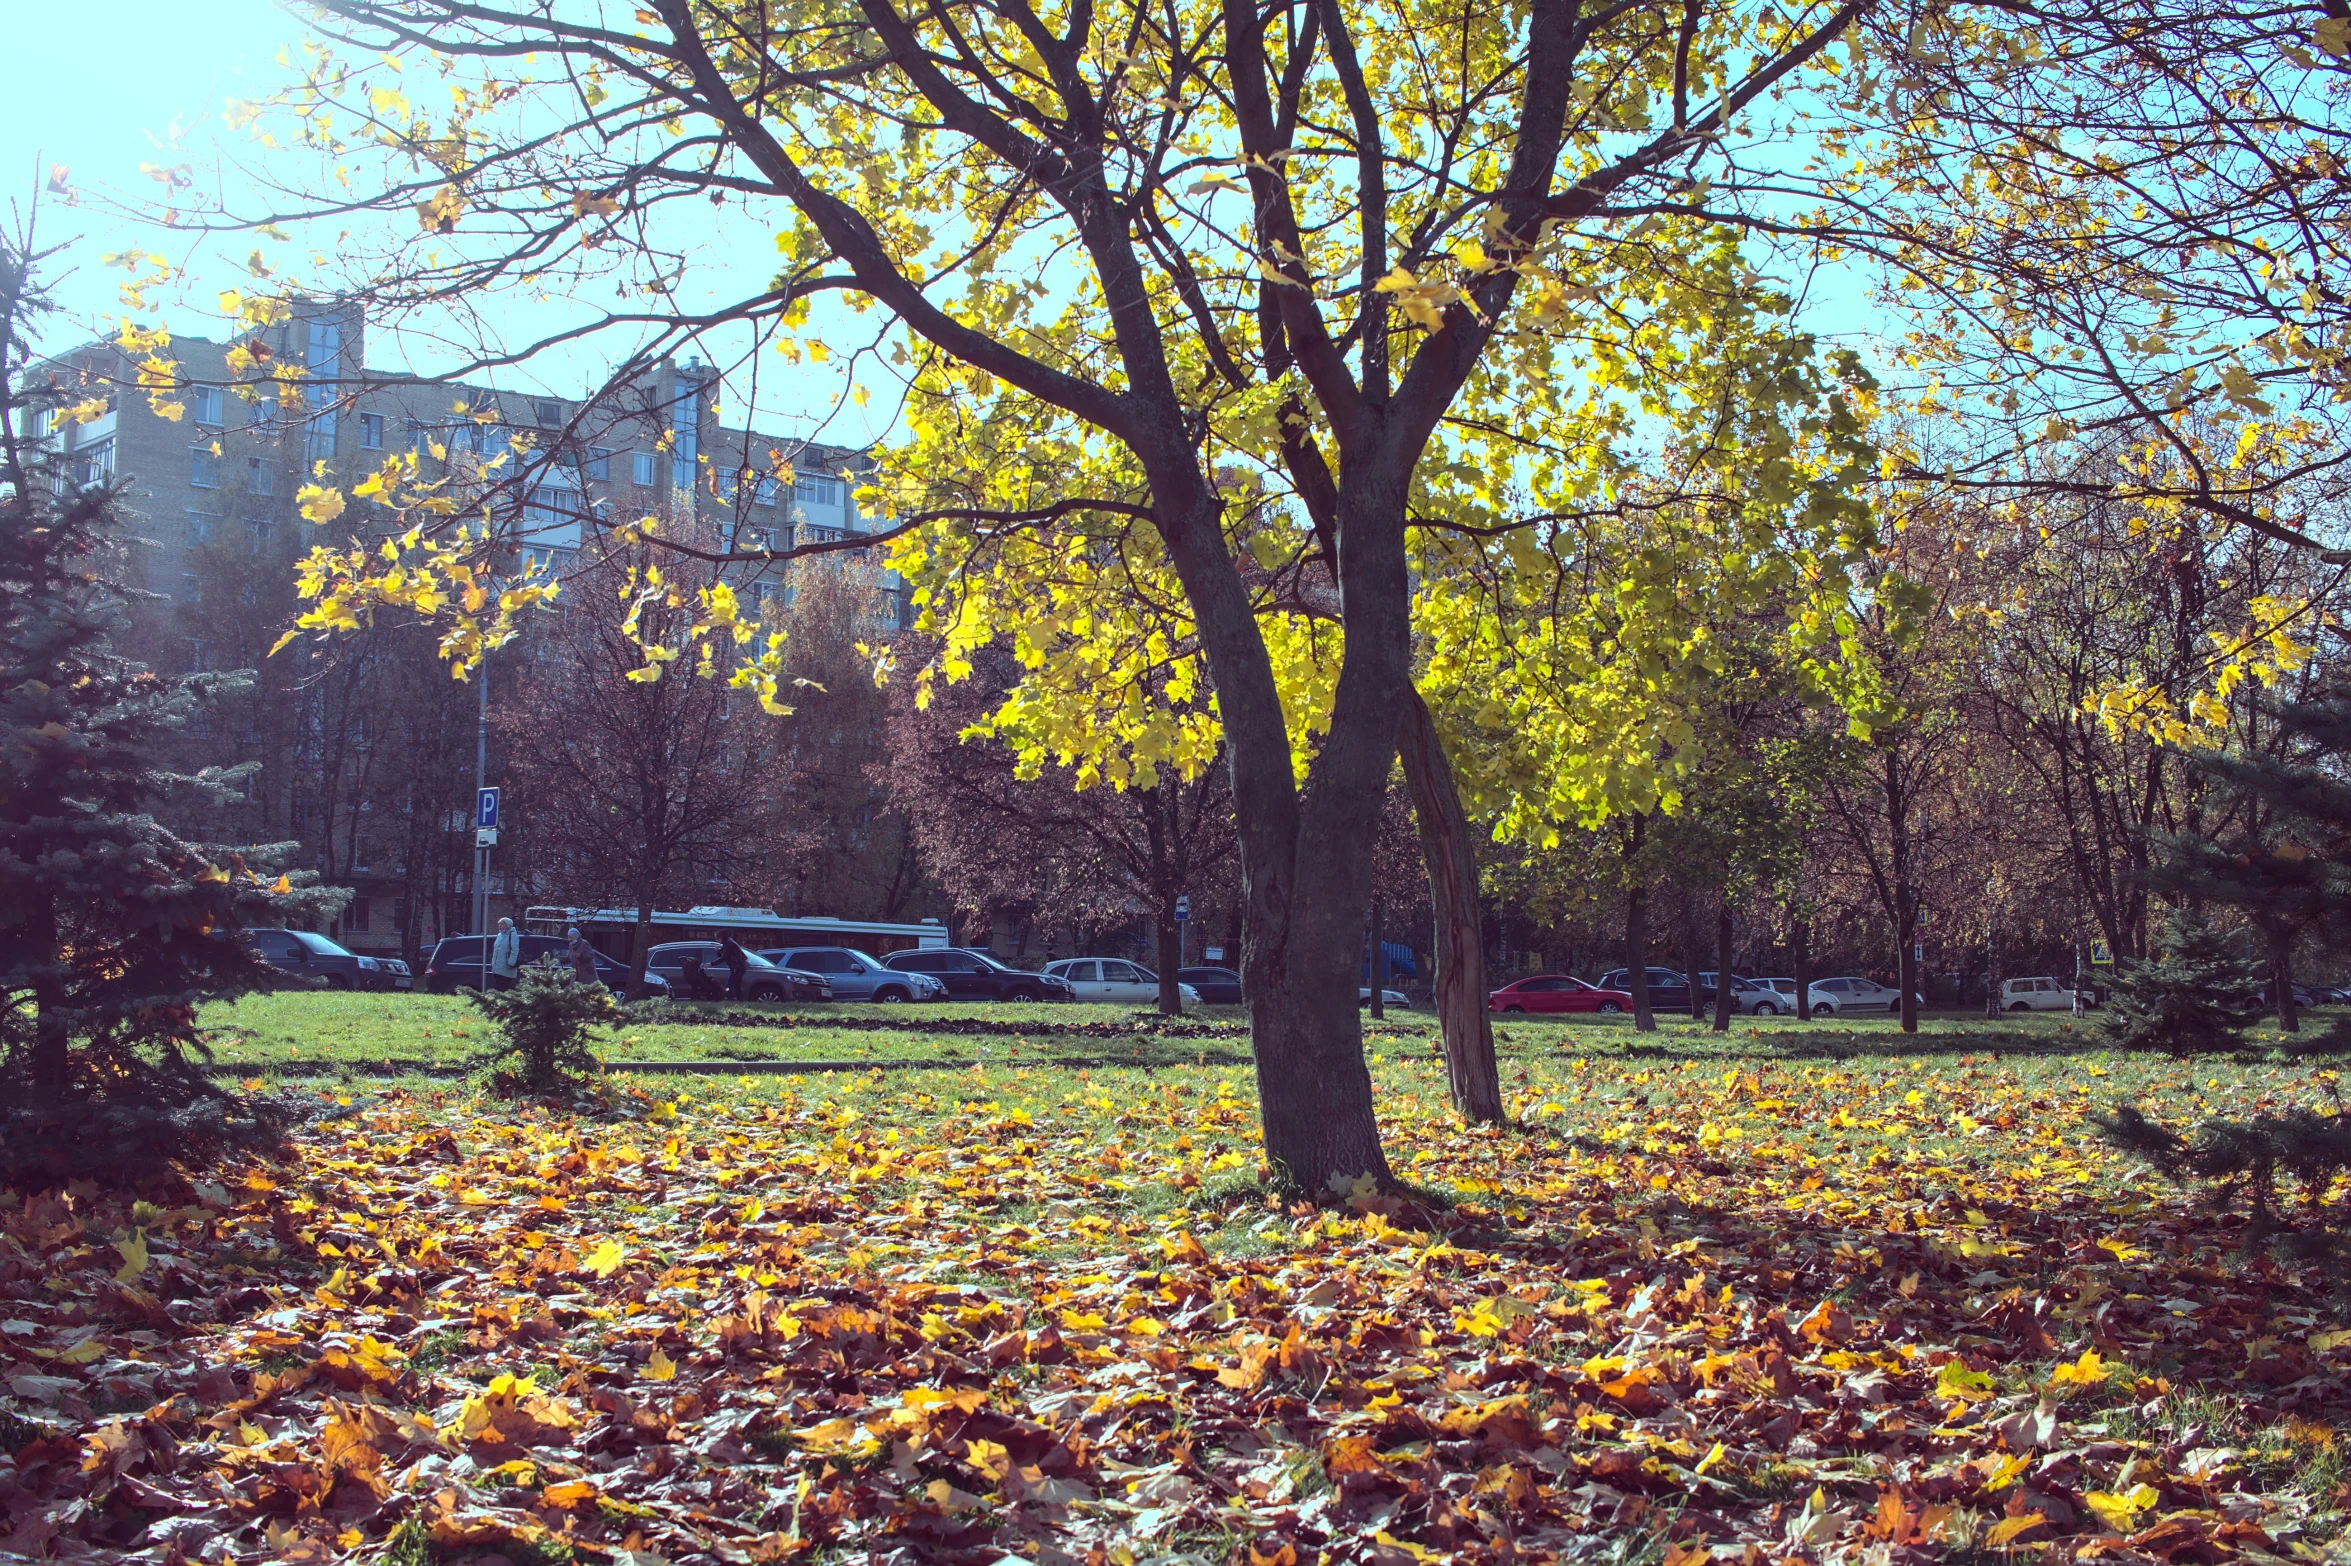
(736, 962)
(583, 958)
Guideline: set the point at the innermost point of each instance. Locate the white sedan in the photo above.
(1113, 979)
(1858, 995)
(1822, 1000)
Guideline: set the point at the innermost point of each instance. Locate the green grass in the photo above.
(354, 1036)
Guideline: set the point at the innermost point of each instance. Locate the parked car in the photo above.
(1669, 989)
(1786, 990)
(1748, 996)
(1217, 986)
(1848, 994)
(1115, 979)
(2305, 996)
(762, 980)
(856, 975)
(2041, 993)
(1557, 992)
(974, 975)
(308, 955)
(1388, 997)
(456, 963)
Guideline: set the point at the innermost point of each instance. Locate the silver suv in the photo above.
(854, 975)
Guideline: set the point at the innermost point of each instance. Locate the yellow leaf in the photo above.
(2121, 1512)
(605, 1259)
(134, 1258)
(2009, 1527)
(319, 503)
(279, 645)
(989, 1458)
(660, 1367)
(2088, 1371)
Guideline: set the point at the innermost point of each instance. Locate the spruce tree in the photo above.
(113, 928)
(2287, 862)
(2194, 994)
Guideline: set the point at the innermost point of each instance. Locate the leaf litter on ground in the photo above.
(1681, 1311)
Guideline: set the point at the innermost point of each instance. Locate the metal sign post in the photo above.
(1183, 912)
(485, 837)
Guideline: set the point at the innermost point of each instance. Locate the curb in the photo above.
(710, 1068)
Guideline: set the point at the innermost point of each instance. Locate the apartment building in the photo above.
(213, 531)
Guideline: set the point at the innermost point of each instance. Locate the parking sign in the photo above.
(1183, 906)
(486, 810)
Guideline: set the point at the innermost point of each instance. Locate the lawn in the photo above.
(1792, 1292)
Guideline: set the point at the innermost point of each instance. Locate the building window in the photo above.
(816, 489)
(190, 592)
(355, 917)
(262, 530)
(260, 477)
(371, 432)
(641, 467)
(326, 359)
(599, 462)
(685, 433)
(200, 527)
(767, 490)
(94, 465)
(318, 444)
(204, 401)
(204, 467)
(550, 414)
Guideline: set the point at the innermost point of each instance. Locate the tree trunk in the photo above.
(1636, 930)
(1378, 962)
(1692, 955)
(1800, 939)
(1906, 960)
(640, 948)
(1722, 968)
(1463, 1022)
(2281, 978)
(1171, 958)
(1313, 1087)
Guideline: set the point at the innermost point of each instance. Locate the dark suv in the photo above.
(971, 975)
(311, 956)
(1669, 989)
(762, 980)
(456, 963)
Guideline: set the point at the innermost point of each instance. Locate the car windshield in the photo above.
(320, 944)
(986, 961)
(862, 962)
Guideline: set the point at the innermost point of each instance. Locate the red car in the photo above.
(1556, 992)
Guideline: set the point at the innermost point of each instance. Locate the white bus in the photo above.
(613, 931)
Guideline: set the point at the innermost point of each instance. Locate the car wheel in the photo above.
(1024, 993)
(1767, 1009)
(1519, 1009)
(891, 995)
(337, 981)
(1609, 1008)
(2019, 1006)
(765, 992)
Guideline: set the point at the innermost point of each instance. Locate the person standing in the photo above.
(583, 958)
(736, 961)
(505, 955)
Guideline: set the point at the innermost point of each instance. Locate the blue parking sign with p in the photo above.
(486, 809)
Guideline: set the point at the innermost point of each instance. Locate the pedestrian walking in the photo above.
(736, 961)
(583, 957)
(505, 955)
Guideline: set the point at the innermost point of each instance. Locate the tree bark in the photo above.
(1171, 958)
(1800, 939)
(1722, 968)
(1906, 960)
(1636, 929)
(1463, 1023)
(640, 948)
(2281, 978)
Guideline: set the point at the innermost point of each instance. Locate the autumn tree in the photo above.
(1001, 838)
(1221, 295)
(634, 781)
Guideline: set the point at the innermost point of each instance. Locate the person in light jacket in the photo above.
(505, 955)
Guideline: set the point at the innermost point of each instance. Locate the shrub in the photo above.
(547, 1020)
(2309, 1146)
(2193, 995)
